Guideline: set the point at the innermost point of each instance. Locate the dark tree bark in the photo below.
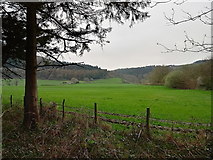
(31, 116)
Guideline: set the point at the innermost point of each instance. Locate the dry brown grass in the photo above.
(79, 137)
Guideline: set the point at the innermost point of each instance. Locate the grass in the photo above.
(78, 137)
(112, 95)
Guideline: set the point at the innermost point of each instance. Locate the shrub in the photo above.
(158, 74)
(178, 79)
(204, 71)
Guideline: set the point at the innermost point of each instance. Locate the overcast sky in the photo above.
(137, 46)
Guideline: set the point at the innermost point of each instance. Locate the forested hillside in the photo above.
(154, 75)
(50, 70)
(133, 75)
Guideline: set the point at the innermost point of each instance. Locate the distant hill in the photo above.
(200, 61)
(132, 75)
(88, 72)
(135, 71)
(81, 71)
(138, 74)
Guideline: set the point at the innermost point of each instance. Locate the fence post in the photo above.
(41, 107)
(95, 113)
(147, 122)
(11, 101)
(63, 115)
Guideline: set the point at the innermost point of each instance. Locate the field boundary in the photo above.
(145, 124)
(130, 123)
(155, 119)
(142, 117)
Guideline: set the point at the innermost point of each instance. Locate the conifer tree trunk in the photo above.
(31, 116)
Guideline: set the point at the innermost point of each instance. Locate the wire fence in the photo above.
(135, 120)
(145, 120)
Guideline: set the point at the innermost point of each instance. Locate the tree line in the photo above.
(79, 71)
(191, 76)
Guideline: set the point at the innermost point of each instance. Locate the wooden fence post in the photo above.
(41, 107)
(11, 101)
(95, 113)
(147, 122)
(63, 115)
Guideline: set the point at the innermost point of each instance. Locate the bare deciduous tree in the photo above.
(190, 44)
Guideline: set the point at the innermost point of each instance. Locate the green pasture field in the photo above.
(112, 95)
